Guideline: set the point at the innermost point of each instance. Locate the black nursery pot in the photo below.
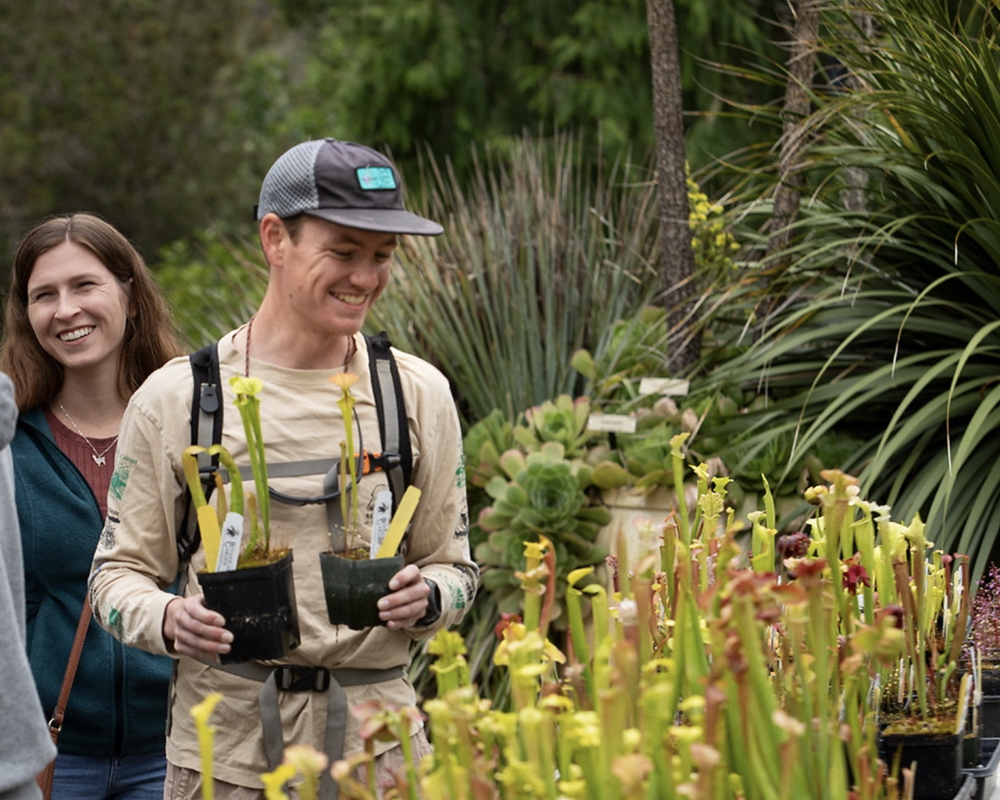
(353, 588)
(989, 716)
(984, 772)
(991, 680)
(259, 606)
(939, 762)
(971, 748)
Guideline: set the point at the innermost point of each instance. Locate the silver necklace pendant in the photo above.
(99, 458)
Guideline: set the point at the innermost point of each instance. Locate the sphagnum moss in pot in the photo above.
(356, 577)
(252, 586)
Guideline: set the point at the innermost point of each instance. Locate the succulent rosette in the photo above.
(543, 493)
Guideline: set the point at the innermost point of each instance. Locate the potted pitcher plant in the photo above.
(356, 572)
(251, 585)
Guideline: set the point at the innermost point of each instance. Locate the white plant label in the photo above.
(229, 545)
(664, 386)
(615, 423)
(380, 519)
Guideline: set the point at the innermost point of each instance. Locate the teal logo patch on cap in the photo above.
(376, 178)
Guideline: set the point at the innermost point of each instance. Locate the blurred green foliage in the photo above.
(132, 109)
(213, 284)
(163, 116)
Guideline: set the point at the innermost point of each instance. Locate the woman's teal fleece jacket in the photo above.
(118, 705)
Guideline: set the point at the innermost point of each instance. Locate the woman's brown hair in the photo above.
(149, 334)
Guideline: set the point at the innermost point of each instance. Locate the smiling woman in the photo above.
(84, 326)
(78, 310)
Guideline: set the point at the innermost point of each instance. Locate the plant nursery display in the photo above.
(563, 465)
(708, 672)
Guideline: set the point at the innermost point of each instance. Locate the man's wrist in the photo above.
(433, 605)
(169, 625)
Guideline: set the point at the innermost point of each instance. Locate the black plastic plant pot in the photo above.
(259, 606)
(985, 771)
(971, 746)
(939, 762)
(990, 677)
(353, 588)
(989, 716)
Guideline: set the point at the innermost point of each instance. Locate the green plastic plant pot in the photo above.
(353, 588)
(258, 604)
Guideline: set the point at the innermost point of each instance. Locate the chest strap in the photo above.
(295, 678)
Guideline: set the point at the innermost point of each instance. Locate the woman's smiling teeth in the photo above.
(350, 299)
(79, 333)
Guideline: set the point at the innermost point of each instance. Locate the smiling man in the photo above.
(329, 214)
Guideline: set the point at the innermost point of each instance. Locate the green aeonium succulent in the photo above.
(562, 420)
(543, 493)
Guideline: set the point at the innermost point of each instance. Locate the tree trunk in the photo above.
(678, 255)
(857, 178)
(796, 108)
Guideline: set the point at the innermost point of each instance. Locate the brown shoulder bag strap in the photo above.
(44, 777)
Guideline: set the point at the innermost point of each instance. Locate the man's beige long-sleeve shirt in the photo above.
(137, 559)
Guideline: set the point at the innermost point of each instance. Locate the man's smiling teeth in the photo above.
(79, 333)
(351, 299)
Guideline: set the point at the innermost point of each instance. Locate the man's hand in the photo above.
(407, 600)
(190, 629)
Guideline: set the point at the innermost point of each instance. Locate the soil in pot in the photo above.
(258, 604)
(353, 588)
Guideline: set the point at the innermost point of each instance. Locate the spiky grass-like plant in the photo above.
(545, 249)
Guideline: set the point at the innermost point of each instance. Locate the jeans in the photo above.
(124, 778)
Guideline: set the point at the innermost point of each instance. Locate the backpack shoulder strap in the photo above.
(206, 430)
(206, 398)
(392, 423)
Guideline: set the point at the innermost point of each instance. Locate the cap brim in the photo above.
(386, 220)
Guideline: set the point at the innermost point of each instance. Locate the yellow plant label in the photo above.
(397, 527)
(208, 523)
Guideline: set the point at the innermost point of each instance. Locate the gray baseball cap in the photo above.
(342, 182)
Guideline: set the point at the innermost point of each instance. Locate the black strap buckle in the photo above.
(293, 678)
(382, 461)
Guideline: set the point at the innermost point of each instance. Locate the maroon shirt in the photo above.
(82, 455)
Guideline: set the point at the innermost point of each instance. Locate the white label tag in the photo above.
(617, 423)
(380, 519)
(664, 386)
(229, 547)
